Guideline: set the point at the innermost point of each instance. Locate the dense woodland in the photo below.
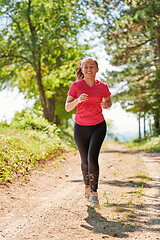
(40, 47)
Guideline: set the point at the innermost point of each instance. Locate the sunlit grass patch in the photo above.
(151, 144)
(128, 200)
(21, 150)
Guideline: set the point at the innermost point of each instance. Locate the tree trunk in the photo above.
(144, 125)
(51, 109)
(158, 41)
(139, 126)
(157, 112)
(48, 105)
(150, 127)
(157, 122)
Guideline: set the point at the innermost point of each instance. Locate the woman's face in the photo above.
(89, 69)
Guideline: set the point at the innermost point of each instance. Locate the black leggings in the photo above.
(89, 140)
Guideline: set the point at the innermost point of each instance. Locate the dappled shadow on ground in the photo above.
(76, 180)
(140, 213)
(99, 224)
(153, 156)
(96, 223)
(119, 151)
(143, 211)
(139, 217)
(131, 184)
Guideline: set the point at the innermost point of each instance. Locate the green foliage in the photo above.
(4, 124)
(39, 48)
(33, 119)
(27, 141)
(131, 36)
(151, 144)
(22, 148)
(67, 136)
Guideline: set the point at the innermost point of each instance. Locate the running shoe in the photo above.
(94, 200)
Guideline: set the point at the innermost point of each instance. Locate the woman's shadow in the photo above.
(99, 224)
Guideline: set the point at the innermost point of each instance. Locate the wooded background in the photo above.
(40, 47)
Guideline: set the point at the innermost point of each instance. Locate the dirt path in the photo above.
(51, 205)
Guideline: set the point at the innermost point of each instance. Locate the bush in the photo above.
(26, 141)
(21, 150)
(34, 120)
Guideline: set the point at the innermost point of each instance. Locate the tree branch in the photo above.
(141, 44)
(15, 56)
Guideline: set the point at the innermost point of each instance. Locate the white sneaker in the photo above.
(87, 192)
(94, 200)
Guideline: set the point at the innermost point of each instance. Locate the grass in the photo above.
(150, 144)
(124, 206)
(21, 150)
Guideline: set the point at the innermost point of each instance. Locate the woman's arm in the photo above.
(106, 103)
(71, 102)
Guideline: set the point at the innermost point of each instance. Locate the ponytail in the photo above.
(79, 74)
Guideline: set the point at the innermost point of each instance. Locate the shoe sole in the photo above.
(94, 206)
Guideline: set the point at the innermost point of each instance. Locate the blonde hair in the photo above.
(79, 74)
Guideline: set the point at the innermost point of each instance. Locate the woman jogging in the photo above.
(89, 96)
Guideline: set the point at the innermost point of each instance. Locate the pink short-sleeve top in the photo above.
(89, 112)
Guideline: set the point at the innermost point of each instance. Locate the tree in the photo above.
(131, 33)
(38, 40)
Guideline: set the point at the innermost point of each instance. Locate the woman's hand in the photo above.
(83, 97)
(71, 102)
(106, 103)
